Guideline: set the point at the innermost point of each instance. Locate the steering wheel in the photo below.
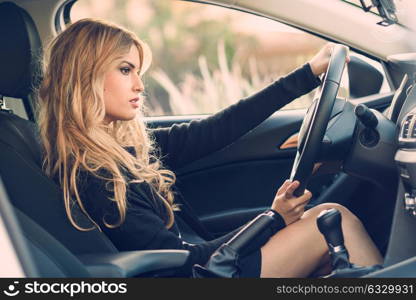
(316, 120)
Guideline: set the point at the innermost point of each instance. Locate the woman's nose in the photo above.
(138, 85)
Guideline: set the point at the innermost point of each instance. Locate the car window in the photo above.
(206, 57)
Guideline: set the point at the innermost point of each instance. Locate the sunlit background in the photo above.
(206, 57)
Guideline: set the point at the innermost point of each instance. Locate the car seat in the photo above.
(41, 255)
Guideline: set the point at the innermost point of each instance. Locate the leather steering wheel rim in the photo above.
(316, 120)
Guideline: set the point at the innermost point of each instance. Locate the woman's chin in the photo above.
(121, 117)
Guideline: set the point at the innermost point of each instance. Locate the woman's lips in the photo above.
(135, 102)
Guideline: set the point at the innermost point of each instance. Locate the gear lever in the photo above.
(329, 224)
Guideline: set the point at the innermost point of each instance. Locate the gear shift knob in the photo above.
(329, 224)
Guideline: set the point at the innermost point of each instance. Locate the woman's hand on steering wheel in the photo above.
(319, 63)
(291, 208)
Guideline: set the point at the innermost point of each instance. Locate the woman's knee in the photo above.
(348, 218)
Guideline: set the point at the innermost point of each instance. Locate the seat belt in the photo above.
(188, 214)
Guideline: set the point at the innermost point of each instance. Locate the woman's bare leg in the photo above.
(299, 249)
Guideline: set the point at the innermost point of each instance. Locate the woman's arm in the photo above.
(181, 144)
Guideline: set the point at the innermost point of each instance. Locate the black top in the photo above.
(180, 144)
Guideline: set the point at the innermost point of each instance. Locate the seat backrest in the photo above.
(32, 252)
(51, 258)
(28, 188)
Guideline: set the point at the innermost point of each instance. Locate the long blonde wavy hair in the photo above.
(71, 117)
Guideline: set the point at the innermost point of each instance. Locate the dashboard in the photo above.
(400, 258)
(405, 157)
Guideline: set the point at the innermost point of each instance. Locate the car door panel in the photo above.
(378, 101)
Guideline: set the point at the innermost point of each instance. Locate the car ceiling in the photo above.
(345, 23)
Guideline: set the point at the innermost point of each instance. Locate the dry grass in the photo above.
(212, 90)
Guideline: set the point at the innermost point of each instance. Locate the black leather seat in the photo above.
(37, 199)
(20, 160)
(41, 255)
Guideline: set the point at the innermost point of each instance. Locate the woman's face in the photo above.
(122, 88)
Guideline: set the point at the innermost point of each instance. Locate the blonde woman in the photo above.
(121, 173)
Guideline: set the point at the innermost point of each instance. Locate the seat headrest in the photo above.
(20, 52)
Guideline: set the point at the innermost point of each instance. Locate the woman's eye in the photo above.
(125, 71)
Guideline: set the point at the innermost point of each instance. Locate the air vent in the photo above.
(407, 137)
(408, 129)
(412, 130)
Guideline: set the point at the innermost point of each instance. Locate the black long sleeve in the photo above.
(183, 143)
